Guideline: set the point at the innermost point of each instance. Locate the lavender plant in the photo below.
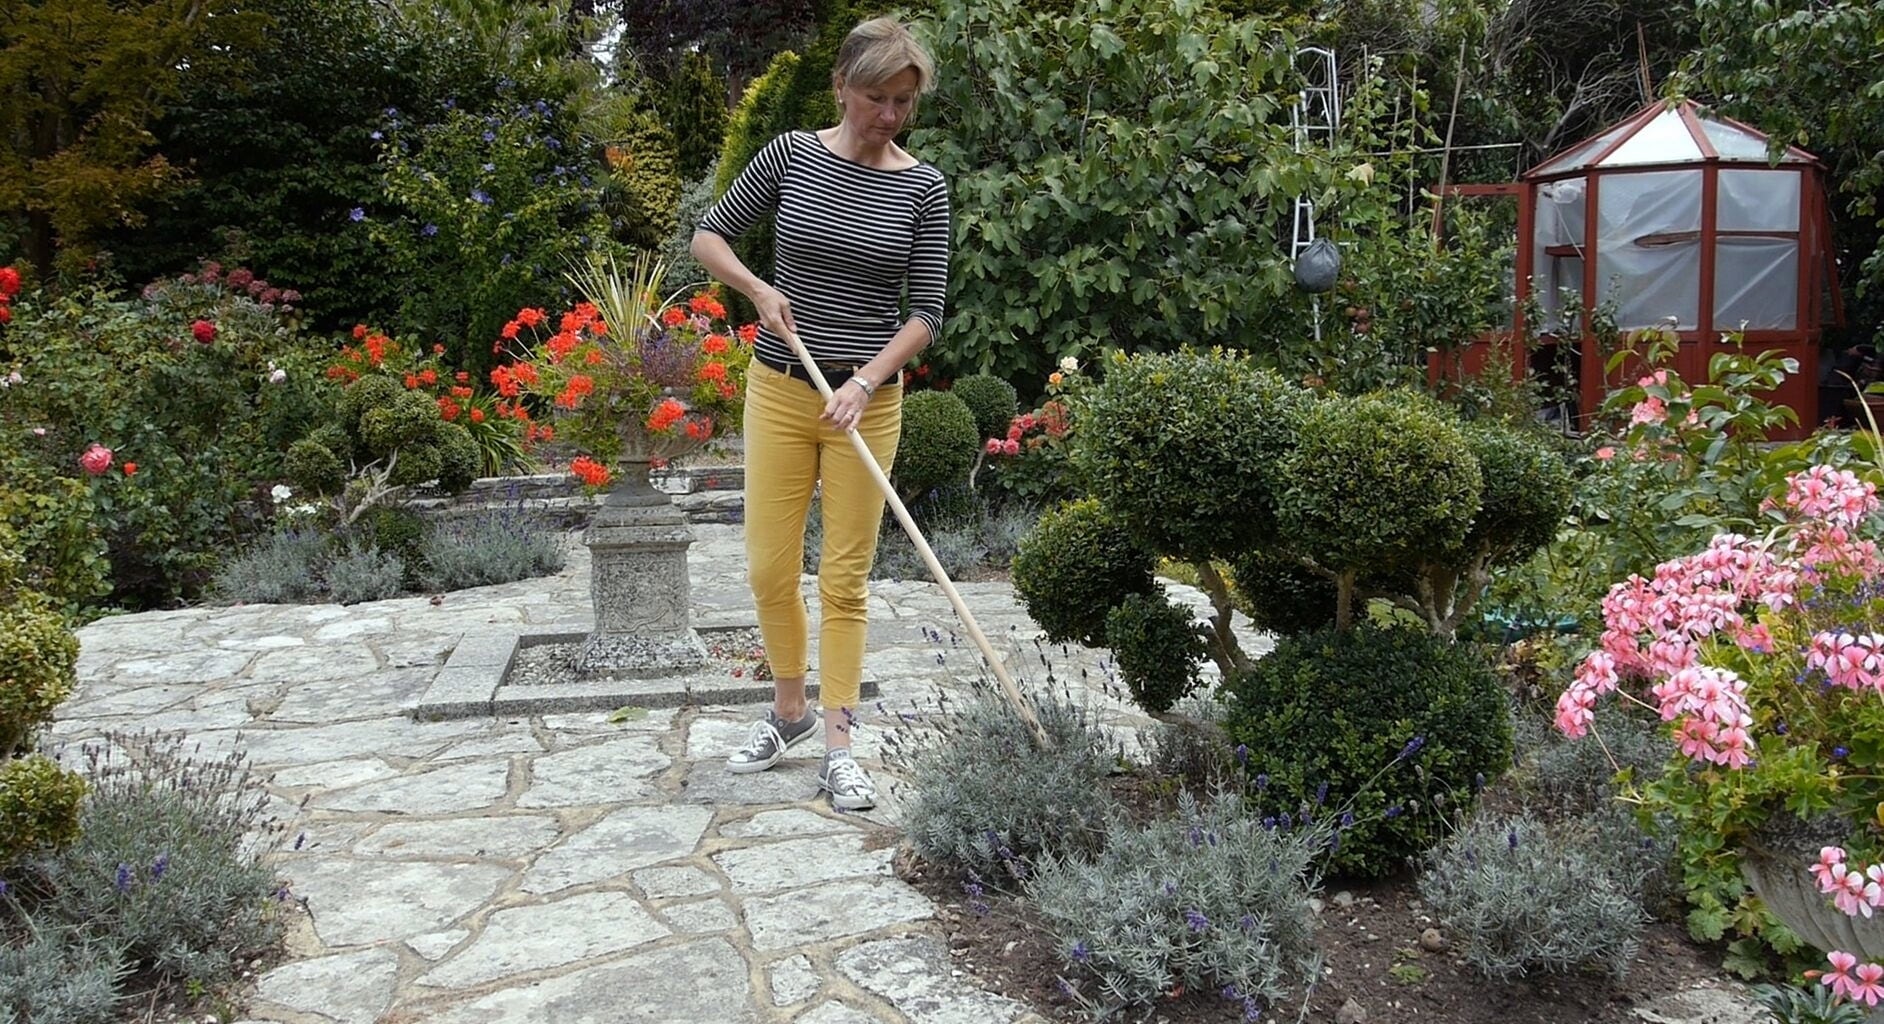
(365, 573)
(58, 978)
(168, 866)
(486, 548)
(281, 568)
(986, 800)
(1522, 896)
(1566, 778)
(1215, 899)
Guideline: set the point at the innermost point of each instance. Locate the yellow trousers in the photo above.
(789, 452)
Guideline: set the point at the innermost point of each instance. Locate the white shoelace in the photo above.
(848, 776)
(762, 730)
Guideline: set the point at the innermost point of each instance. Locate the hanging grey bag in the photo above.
(1318, 267)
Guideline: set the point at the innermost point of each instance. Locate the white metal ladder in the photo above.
(1317, 118)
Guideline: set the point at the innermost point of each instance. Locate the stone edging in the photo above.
(471, 685)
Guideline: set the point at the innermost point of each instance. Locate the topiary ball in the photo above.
(38, 667)
(1184, 446)
(1401, 727)
(458, 457)
(1157, 647)
(1280, 595)
(1528, 488)
(938, 443)
(374, 391)
(313, 467)
(416, 464)
(1378, 483)
(411, 419)
(39, 806)
(1074, 566)
(994, 402)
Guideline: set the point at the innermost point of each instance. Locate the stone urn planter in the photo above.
(638, 545)
(1783, 881)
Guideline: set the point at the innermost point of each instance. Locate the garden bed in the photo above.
(1370, 935)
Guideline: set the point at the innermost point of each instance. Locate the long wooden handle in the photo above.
(1008, 688)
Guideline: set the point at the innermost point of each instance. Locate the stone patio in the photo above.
(568, 867)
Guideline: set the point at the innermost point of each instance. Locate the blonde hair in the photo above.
(879, 50)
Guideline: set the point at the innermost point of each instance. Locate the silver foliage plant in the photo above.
(1524, 897)
(58, 979)
(491, 547)
(1215, 899)
(365, 573)
(281, 568)
(168, 869)
(983, 799)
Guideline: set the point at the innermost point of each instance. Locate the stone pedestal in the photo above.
(638, 543)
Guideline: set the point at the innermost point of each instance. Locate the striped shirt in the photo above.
(849, 238)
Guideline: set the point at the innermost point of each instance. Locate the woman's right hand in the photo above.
(775, 310)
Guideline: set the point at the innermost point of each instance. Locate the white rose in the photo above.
(281, 493)
(278, 377)
(1069, 365)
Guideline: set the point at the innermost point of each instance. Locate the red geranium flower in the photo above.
(204, 331)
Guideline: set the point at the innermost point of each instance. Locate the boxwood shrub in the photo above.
(1183, 447)
(1400, 726)
(1074, 567)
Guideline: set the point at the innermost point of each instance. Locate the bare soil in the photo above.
(1370, 936)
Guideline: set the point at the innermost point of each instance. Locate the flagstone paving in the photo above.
(566, 867)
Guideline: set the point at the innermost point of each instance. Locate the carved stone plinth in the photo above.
(638, 543)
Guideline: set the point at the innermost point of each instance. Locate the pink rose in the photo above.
(1605, 453)
(96, 459)
(1010, 447)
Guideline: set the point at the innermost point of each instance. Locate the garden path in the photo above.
(560, 867)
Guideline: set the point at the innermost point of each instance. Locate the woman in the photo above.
(859, 221)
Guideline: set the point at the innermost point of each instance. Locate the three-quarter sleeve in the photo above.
(929, 259)
(753, 194)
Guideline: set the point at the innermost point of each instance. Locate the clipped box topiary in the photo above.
(38, 654)
(39, 806)
(39, 801)
(1184, 446)
(1076, 564)
(993, 401)
(938, 443)
(1158, 649)
(1398, 724)
(1282, 595)
(1377, 484)
(1528, 488)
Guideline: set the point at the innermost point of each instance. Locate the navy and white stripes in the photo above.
(850, 238)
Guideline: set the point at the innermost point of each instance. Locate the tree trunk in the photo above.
(1344, 600)
(1224, 650)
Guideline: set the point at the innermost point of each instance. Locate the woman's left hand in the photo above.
(845, 408)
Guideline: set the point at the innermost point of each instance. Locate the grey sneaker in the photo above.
(849, 785)
(768, 741)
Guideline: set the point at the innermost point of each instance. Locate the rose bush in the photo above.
(1032, 460)
(171, 410)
